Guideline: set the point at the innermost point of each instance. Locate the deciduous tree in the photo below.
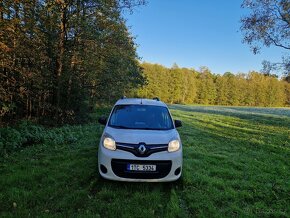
(267, 24)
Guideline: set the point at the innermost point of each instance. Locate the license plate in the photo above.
(141, 167)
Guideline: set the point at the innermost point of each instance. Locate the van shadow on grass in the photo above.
(147, 199)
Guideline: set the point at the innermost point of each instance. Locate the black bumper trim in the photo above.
(119, 167)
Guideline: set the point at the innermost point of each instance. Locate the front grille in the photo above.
(119, 167)
(133, 148)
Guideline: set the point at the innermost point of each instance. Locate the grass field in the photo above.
(236, 163)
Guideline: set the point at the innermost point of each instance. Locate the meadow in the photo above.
(236, 163)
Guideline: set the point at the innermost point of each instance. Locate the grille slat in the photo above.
(133, 148)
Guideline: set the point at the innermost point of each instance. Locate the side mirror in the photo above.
(177, 123)
(102, 120)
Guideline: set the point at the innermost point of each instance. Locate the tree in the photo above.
(287, 92)
(206, 88)
(59, 58)
(189, 86)
(268, 24)
(176, 84)
(275, 91)
(222, 90)
(233, 95)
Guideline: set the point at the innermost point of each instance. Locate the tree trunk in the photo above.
(60, 56)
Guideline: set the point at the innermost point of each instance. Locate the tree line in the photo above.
(59, 58)
(188, 86)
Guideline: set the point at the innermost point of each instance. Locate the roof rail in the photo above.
(156, 98)
(123, 97)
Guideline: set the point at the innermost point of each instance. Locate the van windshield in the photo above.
(148, 117)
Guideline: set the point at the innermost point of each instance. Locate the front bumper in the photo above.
(167, 164)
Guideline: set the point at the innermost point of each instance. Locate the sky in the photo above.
(195, 33)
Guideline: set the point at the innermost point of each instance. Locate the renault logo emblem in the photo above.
(142, 149)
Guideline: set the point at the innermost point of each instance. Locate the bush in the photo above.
(28, 134)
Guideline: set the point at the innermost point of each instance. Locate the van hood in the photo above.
(136, 136)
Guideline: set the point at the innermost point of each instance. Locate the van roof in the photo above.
(143, 101)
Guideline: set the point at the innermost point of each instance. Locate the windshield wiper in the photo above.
(147, 128)
(119, 127)
(137, 128)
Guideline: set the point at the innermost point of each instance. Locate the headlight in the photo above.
(109, 143)
(174, 145)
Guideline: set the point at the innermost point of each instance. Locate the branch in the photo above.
(277, 44)
(283, 18)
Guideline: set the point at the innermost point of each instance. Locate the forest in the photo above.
(188, 86)
(61, 59)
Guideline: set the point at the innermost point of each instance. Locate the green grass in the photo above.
(236, 163)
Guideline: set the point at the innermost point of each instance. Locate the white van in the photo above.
(140, 142)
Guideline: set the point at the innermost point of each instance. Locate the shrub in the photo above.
(28, 134)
